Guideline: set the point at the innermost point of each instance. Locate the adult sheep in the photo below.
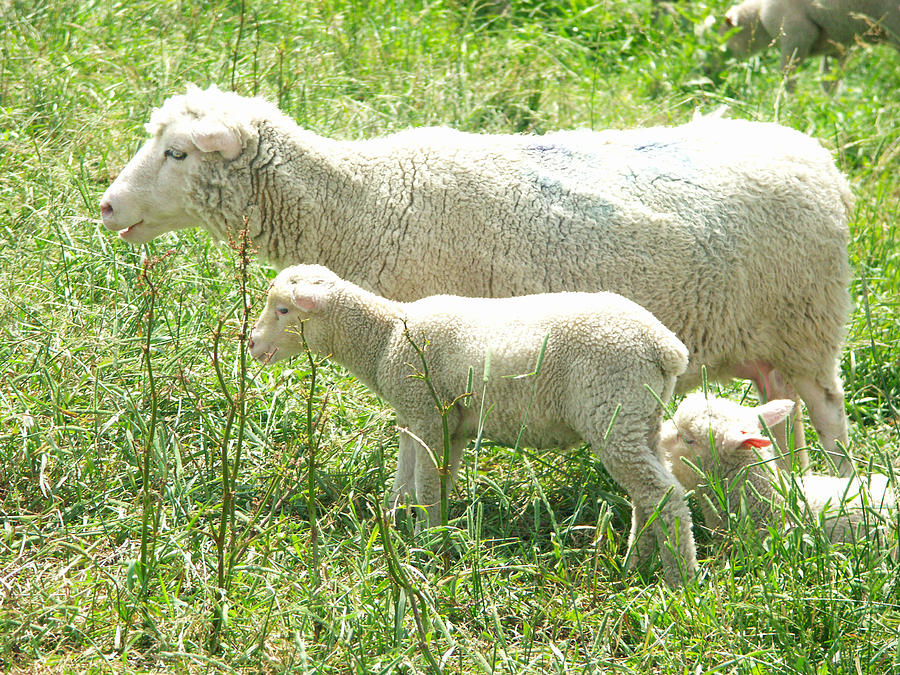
(733, 233)
(803, 28)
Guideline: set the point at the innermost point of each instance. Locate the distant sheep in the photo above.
(732, 233)
(726, 441)
(809, 27)
(602, 357)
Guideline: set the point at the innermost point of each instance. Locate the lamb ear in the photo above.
(735, 436)
(754, 440)
(214, 136)
(738, 438)
(309, 297)
(775, 411)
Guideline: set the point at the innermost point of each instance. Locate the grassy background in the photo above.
(112, 515)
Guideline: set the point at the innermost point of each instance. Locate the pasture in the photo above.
(167, 505)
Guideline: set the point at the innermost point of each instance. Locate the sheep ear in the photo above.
(774, 412)
(755, 441)
(214, 136)
(738, 438)
(309, 297)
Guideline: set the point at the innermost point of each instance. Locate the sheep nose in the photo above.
(106, 209)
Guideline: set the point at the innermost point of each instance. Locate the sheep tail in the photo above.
(672, 360)
(672, 356)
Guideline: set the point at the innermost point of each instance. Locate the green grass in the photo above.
(112, 516)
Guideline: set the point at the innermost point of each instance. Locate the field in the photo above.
(167, 506)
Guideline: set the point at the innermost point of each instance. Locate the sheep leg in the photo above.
(641, 544)
(825, 402)
(633, 464)
(774, 386)
(406, 465)
(427, 473)
(771, 385)
(828, 83)
(796, 37)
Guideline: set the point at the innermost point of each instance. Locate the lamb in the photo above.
(732, 233)
(810, 27)
(604, 359)
(717, 448)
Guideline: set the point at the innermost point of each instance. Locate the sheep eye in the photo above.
(282, 310)
(688, 441)
(175, 154)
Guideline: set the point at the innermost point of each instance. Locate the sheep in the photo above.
(717, 448)
(732, 233)
(809, 27)
(604, 361)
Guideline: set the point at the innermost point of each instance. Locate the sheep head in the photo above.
(736, 433)
(152, 194)
(298, 295)
(743, 25)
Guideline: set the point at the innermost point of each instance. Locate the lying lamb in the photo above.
(726, 441)
(732, 233)
(602, 357)
(808, 27)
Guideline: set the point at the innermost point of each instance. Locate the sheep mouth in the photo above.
(128, 231)
(266, 357)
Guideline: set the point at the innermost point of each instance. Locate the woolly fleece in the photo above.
(716, 442)
(602, 357)
(732, 233)
(803, 28)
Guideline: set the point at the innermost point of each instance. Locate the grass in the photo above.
(124, 546)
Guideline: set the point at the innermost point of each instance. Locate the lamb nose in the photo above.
(106, 208)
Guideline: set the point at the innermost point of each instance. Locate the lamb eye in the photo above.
(282, 310)
(175, 154)
(688, 441)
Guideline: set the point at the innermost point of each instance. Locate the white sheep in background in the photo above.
(732, 233)
(809, 27)
(603, 355)
(726, 441)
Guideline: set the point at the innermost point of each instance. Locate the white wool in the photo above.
(605, 359)
(713, 441)
(732, 233)
(802, 28)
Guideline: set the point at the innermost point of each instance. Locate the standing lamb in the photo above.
(604, 360)
(808, 27)
(732, 233)
(730, 465)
